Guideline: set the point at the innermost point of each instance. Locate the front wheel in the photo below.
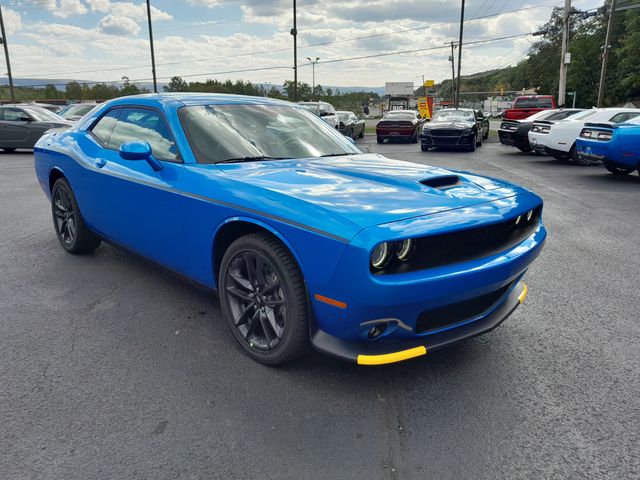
(264, 300)
(9, 150)
(424, 148)
(361, 134)
(73, 234)
(472, 147)
(380, 140)
(619, 171)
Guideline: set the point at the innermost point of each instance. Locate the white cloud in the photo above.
(99, 5)
(12, 21)
(66, 8)
(137, 11)
(204, 3)
(118, 25)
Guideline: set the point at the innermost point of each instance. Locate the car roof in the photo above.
(180, 99)
(344, 111)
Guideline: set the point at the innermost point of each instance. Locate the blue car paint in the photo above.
(622, 151)
(330, 212)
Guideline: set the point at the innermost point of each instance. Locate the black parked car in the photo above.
(350, 125)
(22, 125)
(515, 133)
(453, 128)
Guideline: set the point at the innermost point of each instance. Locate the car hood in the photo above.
(370, 189)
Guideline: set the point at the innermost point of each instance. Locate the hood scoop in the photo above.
(441, 181)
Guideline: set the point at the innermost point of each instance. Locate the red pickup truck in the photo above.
(527, 105)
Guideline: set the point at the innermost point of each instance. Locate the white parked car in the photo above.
(558, 139)
(324, 110)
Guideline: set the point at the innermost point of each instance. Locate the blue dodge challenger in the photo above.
(307, 240)
(616, 145)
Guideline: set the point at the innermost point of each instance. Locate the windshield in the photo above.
(399, 116)
(42, 114)
(583, 115)
(533, 102)
(77, 110)
(219, 133)
(453, 116)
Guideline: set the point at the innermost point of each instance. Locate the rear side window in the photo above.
(141, 124)
(102, 130)
(623, 117)
(560, 115)
(15, 115)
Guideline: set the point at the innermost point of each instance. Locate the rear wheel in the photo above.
(619, 171)
(73, 234)
(525, 149)
(9, 150)
(264, 300)
(575, 158)
(380, 140)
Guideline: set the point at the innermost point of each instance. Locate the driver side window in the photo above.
(15, 115)
(141, 124)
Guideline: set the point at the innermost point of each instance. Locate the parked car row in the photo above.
(455, 128)
(610, 136)
(21, 125)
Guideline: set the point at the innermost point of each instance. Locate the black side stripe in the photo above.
(221, 203)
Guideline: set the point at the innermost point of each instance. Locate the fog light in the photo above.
(377, 330)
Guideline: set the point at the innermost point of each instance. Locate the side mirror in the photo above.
(25, 119)
(140, 151)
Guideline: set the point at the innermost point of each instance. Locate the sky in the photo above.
(104, 40)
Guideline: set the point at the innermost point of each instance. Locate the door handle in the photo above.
(100, 162)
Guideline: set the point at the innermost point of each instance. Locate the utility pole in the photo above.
(453, 74)
(153, 56)
(3, 40)
(313, 68)
(294, 32)
(460, 54)
(605, 55)
(562, 90)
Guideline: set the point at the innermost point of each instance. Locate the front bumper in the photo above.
(449, 141)
(379, 353)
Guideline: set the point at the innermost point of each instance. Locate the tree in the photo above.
(73, 91)
(50, 91)
(176, 84)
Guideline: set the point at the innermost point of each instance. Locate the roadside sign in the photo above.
(429, 83)
(425, 106)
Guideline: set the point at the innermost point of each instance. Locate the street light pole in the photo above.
(562, 88)
(294, 32)
(453, 74)
(3, 40)
(460, 54)
(605, 55)
(153, 56)
(313, 69)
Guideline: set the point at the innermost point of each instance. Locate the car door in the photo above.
(14, 128)
(134, 205)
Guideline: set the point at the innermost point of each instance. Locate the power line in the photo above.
(263, 52)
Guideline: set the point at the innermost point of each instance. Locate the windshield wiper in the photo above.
(249, 159)
(338, 154)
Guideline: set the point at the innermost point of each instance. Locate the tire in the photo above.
(618, 171)
(414, 139)
(485, 135)
(478, 142)
(275, 339)
(380, 140)
(472, 147)
(361, 134)
(574, 158)
(424, 148)
(8, 149)
(72, 232)
(525, 149)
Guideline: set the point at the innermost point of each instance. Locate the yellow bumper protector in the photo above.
(391, 357)
(524, 293)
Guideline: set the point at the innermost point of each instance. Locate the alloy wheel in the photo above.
(256, 299)
(65, 217)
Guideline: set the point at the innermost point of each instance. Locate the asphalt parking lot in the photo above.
(112, 368)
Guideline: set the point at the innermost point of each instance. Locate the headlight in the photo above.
(466, 131)
(405, 249)
(380, 256)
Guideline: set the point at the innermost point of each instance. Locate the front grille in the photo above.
(466, 245)
(452, 314)
(446, 133)
(445, 141)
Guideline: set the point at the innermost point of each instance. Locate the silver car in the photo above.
(324, 110)
(22, 125)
